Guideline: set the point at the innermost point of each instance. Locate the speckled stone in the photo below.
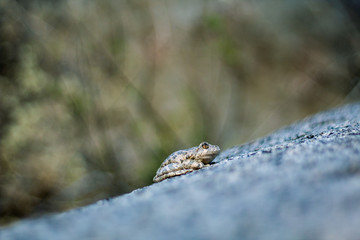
(301, 182)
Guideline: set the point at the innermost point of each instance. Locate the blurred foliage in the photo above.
(94, 95)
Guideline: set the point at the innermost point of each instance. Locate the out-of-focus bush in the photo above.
(95, 94)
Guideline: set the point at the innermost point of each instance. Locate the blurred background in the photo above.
(95, 94)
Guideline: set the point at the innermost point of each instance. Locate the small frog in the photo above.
(188, 160)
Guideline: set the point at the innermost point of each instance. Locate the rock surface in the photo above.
(301, 182)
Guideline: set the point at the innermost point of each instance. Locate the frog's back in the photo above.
(176, 157)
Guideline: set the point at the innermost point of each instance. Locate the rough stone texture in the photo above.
(301, 182)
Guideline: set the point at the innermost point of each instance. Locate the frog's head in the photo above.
(206, 152)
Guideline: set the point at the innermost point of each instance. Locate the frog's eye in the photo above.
(205, 145)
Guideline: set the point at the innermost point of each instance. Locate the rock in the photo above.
(301, 182)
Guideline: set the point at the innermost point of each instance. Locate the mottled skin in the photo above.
(188, 160)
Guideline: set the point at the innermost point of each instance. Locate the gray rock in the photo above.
(301, 182)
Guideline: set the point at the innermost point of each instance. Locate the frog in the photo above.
(185, 161)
